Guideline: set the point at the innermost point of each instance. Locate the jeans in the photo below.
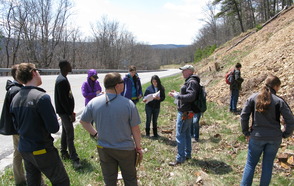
(234, 100)
(255, 149)
(111, 159)
(49, 164)
(151, 113)
(183, 138)
(67, 137)
(195, 126)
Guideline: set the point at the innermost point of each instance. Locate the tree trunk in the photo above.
(238, 11)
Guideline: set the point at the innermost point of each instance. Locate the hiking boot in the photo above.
(77, 164)
(147, 130)
(65, 156)
(188, 158)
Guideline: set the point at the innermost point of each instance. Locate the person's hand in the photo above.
(139, 157)
(94, 137)
(173, 94)
(144, 100)
(139, 97)
(157, 98)
(72, 117)
(247, 138)
(170, 93)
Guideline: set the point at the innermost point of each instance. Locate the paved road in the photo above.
(76, 80)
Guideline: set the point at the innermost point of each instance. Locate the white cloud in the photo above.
(166, 23)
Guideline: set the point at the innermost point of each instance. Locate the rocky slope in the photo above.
(269, 50)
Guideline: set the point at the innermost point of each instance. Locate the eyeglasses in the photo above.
(36, 70)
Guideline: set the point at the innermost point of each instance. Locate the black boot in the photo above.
(147, 130)
(155, 132)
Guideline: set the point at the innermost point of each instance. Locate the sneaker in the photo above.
(77, 164)
(65, 156)
(175, 163)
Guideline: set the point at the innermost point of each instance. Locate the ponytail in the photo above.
(263, 100)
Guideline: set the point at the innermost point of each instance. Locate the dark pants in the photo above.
(135, 101)
(151, 113)
(111, 159)
(67, 137)
(49, 164)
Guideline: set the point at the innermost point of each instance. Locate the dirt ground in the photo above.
(269, 50)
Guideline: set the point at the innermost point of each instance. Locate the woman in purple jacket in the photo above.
(91, 88)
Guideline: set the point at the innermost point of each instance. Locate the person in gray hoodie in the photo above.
(265, 134)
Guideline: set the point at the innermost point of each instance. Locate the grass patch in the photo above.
(217, 159)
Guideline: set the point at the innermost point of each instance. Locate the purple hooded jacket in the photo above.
(89, 87)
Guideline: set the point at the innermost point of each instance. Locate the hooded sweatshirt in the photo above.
(6, 123)
(90, 87)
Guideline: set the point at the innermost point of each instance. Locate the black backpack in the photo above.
(200, 102)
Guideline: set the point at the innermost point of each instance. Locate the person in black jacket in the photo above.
(152, 108)
(7, 126)
(64, 104)
(185, 100)
(235, 88)
(34, 119)
(264, 135)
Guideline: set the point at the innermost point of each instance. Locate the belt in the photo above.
(40, 152)
(99, 147)
(187, 115)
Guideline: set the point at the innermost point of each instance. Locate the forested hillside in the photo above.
(264, 51)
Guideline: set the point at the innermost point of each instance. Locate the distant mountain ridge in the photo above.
(168, 46)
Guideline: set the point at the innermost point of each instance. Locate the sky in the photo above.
(150, 21)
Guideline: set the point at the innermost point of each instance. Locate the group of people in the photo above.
(112, 119)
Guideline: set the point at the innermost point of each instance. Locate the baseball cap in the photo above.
(186, 67)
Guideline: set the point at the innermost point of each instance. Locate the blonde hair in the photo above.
(263, 99)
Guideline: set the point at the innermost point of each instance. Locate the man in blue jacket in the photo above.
(35, 120)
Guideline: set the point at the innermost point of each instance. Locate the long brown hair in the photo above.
(263, 99)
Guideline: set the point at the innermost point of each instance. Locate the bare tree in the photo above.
(45, 28)
(13, 16)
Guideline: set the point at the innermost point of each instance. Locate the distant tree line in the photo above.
(225, 19)
(38, 31)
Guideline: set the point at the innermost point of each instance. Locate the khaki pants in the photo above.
(111, 159)
(18, 170)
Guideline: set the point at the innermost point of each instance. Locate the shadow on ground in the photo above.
(212, 166)
(163, 139)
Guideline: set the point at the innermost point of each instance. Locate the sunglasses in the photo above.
(36, 70)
